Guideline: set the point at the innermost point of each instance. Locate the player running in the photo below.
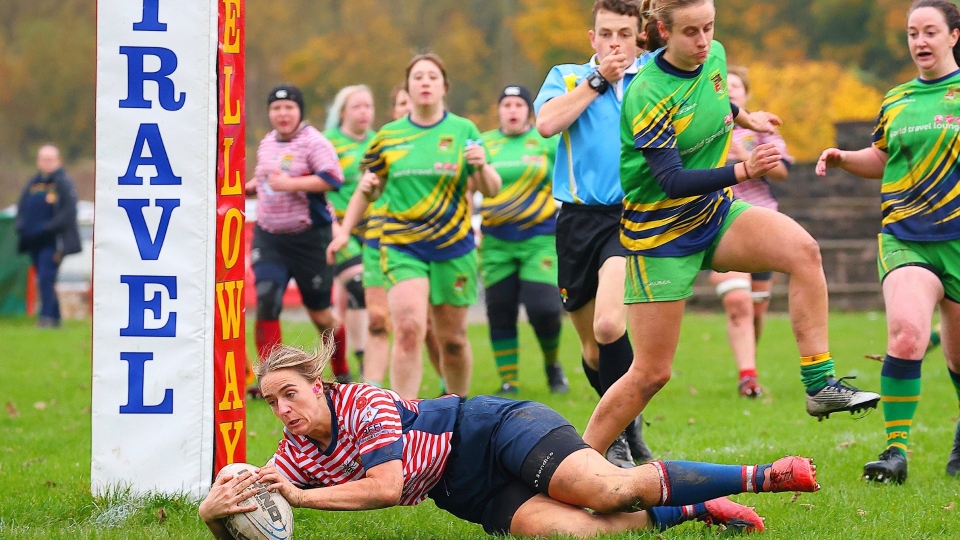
(296, 166)
(514, 467)
(348, 128)
(582, 103)
(679, 218)
(518, 254)
(423, 164)
(914, 151)
(746, 297)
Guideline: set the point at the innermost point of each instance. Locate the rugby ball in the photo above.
(273, 518)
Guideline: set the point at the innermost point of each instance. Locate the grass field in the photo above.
(45, 440)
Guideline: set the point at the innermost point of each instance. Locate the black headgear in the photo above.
(515, 90)
(287, 91)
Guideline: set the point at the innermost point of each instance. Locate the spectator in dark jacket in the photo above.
(47, 227)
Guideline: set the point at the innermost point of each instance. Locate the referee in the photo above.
(582, 102)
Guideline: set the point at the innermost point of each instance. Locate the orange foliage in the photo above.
(810, 97)
(551, 33)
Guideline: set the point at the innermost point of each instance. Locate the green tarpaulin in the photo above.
(13, 271)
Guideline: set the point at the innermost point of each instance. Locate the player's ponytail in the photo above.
(649, 38)
(950, 13)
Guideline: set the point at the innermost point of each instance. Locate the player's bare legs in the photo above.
(656, 331)
(377, 356)
(456, 356)
(408, 302)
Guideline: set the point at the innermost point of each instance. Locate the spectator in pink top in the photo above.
(296, 165)
(746, 297)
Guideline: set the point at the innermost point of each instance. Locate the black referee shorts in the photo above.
(587, 235)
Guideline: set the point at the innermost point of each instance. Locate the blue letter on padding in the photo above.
(149, 134)
(149, 247)
(139, 306)
(135, 405)
(151, 18)
(137, 78)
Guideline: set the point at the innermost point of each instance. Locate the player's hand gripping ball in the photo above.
(273, 517)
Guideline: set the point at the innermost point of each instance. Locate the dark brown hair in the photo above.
(630, 8)
(430, 57)
(651, 39)
(950, 14)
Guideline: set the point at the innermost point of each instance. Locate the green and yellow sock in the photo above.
(550, 345)
(955, 377)
(505, 353)
(900, 393)
(814, 371)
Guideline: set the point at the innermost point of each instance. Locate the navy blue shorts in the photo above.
(491, 440)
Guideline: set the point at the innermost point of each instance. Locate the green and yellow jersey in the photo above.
(919, 128)
(665, 107)
(350, 152)
(524, 208)
(427, 215)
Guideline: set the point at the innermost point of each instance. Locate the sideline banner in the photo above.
(161, 210)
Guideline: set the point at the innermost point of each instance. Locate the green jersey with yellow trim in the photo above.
(919, 128)
(524, 208)
(665, 107)
(350, 152)
(427, 215)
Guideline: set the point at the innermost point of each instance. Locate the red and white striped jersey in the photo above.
(757, 191)
(372, 426)
(307, 153)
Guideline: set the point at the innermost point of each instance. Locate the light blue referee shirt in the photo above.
(587, 169)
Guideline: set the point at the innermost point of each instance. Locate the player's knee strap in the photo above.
(269, 299)
(355, 298)
(760, 296)
(731, 285)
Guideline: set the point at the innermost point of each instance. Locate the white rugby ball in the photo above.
(273, 518)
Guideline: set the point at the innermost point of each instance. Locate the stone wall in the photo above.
(842, 212)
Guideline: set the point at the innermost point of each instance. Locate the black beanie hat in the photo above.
(287, 91)
(515, 90)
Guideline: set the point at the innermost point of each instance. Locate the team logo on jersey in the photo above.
(350, 466)
(531, 143)
(951, 93)
(446, 141)
(717, 79)
(546, 263)
(460, 283)
(362, 402)
(369, 413)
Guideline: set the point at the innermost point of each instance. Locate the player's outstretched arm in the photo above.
(380, 488)
(866, 163)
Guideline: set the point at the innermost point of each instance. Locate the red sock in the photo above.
(748, 373)
(338, 362)
(268, 336)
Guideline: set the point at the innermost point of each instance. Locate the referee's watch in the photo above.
(597, 83)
